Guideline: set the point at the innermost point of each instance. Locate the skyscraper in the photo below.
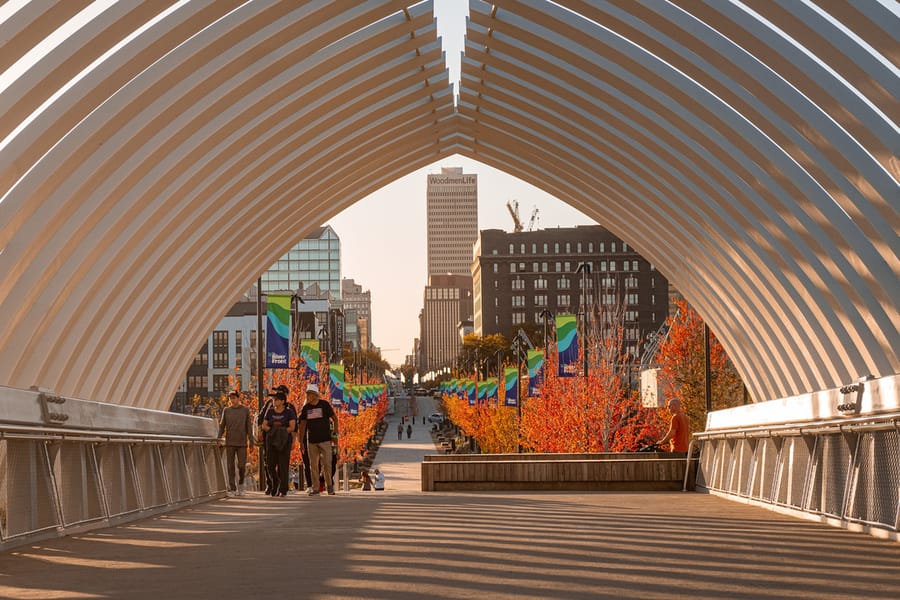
(316, 259)
(452, 200)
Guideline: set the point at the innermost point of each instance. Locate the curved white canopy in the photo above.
(156, 157)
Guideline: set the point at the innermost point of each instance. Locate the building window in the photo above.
(534, 248)
(496, 268)
(545, 248)
(563, 300)
(602, 246)
(556, 248)
(634, 265)
(568, 268)
(198, 382)
(540, 283)
(631, 282)
(518, 300)
(590, 247)
(559, 267)
(613, 247)
(238, 350)
(544, 267)
(518, 284)
(512, 249)
(534, 267)
(578, 247)
(568, 248)
(220, 349)
(624, 247)
(512, 267)
(631, 299)
(521, 248)
(220, 385)
(563, 283)
(202, 357)
(612, 265)
(540, 300)
(518, 318)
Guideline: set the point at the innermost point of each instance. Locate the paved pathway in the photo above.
(406, 544)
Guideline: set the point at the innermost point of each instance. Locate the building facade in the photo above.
(527, 276)
(452, 215)
(358, 302)
(448, 300)
(316, 259)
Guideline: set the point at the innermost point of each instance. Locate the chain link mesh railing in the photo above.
(50, 484)
(845, 472)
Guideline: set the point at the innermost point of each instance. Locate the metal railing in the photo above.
(847, 470)
(55, 479)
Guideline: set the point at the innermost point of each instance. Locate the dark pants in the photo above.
(304, 452)
(278, 467)
(238, 453)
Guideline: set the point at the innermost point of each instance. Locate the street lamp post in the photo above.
(584, 268)
(546, 315)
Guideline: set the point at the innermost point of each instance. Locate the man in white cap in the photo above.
(316, 418)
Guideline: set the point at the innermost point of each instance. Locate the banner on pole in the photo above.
(353, 394)
(511, 386)
(535, 372)
(309, 360)
(471, 391)
(278, 331)
(336, 383)
(567, 336)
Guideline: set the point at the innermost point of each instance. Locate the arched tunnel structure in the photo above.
(156, 157)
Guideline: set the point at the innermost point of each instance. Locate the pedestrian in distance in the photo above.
(279, 426)
(679, 434)
(379, 480)
(366, 480)
(261, 442)
(408, 431)
(399, 431)
(316, 420)
(236, 426)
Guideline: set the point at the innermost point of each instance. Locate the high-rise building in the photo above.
(452, 201)
(316, 259)
(518, 277)
(448, 300)
(356, 300)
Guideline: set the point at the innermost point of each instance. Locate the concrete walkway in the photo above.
(409, 545)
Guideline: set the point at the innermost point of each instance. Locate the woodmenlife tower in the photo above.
(452, 201)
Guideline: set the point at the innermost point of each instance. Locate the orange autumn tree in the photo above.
(492, 425)
(683, 371)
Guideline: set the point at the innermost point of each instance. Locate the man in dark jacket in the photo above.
(236, 426)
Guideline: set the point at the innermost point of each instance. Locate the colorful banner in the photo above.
(309, 360)
(471, 392)
(353, 396)
(336, 383)
(481, 392)
(493, 390)
(535, 372)
(567, 344)
(278, 332)
(511, 386)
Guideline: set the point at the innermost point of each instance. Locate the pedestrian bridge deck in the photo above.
(405, 544)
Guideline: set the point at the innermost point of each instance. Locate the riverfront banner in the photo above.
(481, 392)
(493, 390)
(353, 395)
(567, 344)
(278, 332)
(309, 360)
(511, 386)
(471, 391)
(336, 383)
(535, 372)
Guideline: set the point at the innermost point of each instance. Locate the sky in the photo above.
(383, 237)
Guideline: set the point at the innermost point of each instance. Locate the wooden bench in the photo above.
(633, 471)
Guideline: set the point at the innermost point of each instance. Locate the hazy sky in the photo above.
(393, 265)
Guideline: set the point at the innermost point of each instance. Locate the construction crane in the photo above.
(513, 207)
(534, 214)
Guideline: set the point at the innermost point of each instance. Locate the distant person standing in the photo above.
(237, 427)
(379, 480)
(679, 434)
(408, 431)
(366, 481)
(316, 418)
(399, 431)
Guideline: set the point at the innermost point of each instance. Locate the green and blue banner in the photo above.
(511, 386)
(309, 360)
(471, 392)
(353, 396)
(493, 390)
(535, 372)
(336, 383)
(278, 332)
(567, 344)
(481, 392)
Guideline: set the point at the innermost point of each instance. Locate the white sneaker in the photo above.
(309, 490)
(230, 494)
(241, 491)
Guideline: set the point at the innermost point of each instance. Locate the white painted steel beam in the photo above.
(156, 157)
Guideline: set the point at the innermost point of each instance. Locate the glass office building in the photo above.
(315, 260)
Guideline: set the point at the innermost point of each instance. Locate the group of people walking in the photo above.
(280, 426)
